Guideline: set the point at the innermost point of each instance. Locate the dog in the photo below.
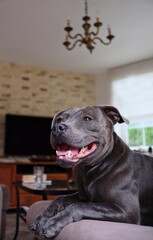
(113, 182)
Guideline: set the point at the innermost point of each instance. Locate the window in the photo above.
(133, 95)
(141, 134)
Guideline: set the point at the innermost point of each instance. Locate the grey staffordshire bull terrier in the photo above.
(113, 183)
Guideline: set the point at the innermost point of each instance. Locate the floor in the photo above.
(24, 233)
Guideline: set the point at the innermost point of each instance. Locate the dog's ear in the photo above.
(114, 114)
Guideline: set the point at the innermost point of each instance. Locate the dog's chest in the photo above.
(94, 187)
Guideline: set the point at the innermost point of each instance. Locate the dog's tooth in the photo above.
(61, 157)
(83, 149)
(69, 153)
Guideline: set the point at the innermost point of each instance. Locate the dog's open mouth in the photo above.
(74, 154)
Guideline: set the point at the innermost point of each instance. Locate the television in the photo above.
(27, 136)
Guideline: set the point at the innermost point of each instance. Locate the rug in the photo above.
(24, 233)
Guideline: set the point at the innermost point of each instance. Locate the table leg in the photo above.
(44, 196)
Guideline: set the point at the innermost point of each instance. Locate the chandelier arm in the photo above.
(74, 44)
(95, 33)
(97, 38)
(75, 36)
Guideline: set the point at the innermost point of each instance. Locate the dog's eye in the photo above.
(87, 118)
(59, 120)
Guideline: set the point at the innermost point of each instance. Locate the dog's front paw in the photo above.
(39, 221)
(51, 229)
(35, 223)
(54, 225)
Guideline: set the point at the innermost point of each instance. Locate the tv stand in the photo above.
(39, 158)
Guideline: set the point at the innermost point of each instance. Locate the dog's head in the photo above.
(83, 135)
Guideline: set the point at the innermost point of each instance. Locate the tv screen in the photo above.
(27, 136)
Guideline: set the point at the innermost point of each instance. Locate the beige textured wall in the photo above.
(40, 92)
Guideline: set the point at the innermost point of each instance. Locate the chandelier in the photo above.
(89, 38)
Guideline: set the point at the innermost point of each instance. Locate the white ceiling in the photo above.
(32, 32)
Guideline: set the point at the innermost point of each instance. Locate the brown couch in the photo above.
(95, 230)
(4, 205)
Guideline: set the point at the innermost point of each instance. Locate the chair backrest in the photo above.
(1, 209)
(4, 205)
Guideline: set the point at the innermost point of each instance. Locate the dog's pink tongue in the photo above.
(68, 152)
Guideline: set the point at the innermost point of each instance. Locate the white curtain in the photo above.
(132, 93)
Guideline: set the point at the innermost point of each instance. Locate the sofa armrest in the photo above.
(93, 229)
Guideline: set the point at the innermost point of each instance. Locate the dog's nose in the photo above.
(59, 128)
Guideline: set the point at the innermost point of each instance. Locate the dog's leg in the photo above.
(80, 210)
(58, 205)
